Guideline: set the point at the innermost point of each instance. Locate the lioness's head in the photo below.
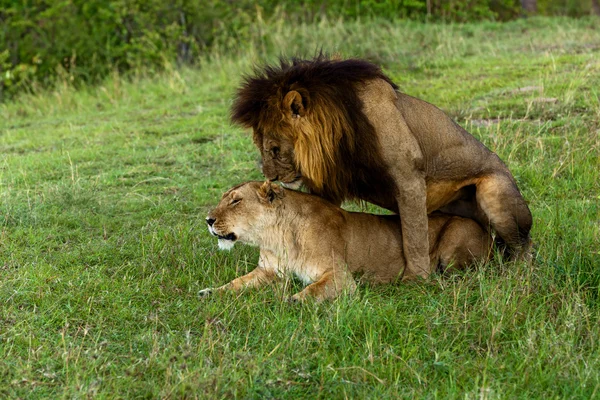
(244, 212)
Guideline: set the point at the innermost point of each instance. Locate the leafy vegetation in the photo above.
(83, 41)
(103, 245)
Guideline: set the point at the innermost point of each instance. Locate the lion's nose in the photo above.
(210, 221)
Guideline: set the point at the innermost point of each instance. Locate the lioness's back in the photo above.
(374, 246)
(373, 243)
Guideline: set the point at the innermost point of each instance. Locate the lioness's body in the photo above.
(324, 244)
(343, 129)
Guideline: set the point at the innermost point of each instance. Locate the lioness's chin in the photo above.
(226, 244)
(294, 185)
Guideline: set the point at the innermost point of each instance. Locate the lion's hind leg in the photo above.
(499, 199)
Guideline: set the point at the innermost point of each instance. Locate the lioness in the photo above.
(323, 244)
(343, 129)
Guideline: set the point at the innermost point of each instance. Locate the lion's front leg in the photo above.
(412, 204)
(256, 278)
(265, 273)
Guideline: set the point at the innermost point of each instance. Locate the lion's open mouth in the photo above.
(230, 236)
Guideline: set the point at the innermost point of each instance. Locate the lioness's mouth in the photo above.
(227, 241)
(230, 236)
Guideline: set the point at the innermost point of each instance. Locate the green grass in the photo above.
(103, 245)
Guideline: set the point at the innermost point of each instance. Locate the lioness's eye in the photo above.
(234, 202)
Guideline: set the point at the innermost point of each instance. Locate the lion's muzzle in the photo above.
(294, 185)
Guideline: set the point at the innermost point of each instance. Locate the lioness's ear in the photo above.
(294, 103)
(269, 192)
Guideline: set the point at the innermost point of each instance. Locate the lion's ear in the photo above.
(269, 192)
(294, 103)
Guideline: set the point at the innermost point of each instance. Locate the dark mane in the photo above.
(351, 165)
(335, 79)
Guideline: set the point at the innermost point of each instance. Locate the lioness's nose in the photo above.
(210, 221)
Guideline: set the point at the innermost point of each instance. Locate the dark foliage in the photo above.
(84, 40)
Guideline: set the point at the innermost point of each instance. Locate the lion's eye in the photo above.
(234, 202)
(275, 152)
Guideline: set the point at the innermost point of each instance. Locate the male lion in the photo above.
(342, 128)
(324, 244)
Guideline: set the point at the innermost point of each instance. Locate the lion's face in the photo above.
(243, 213)
(278, 162)
(300, 144)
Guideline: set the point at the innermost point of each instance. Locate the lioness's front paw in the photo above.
(205, 292)
(295, 299)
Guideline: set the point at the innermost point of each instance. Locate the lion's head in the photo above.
(313, 107)
(243, 213)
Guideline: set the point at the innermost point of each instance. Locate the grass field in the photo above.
(103, 244)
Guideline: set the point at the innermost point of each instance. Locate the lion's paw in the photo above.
(205, 292)
(295, 299)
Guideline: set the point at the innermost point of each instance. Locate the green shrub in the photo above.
(84, 40)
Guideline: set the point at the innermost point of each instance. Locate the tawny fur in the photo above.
(342, 128)
(325, 245)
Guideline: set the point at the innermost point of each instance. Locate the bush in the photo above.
(83, 40)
